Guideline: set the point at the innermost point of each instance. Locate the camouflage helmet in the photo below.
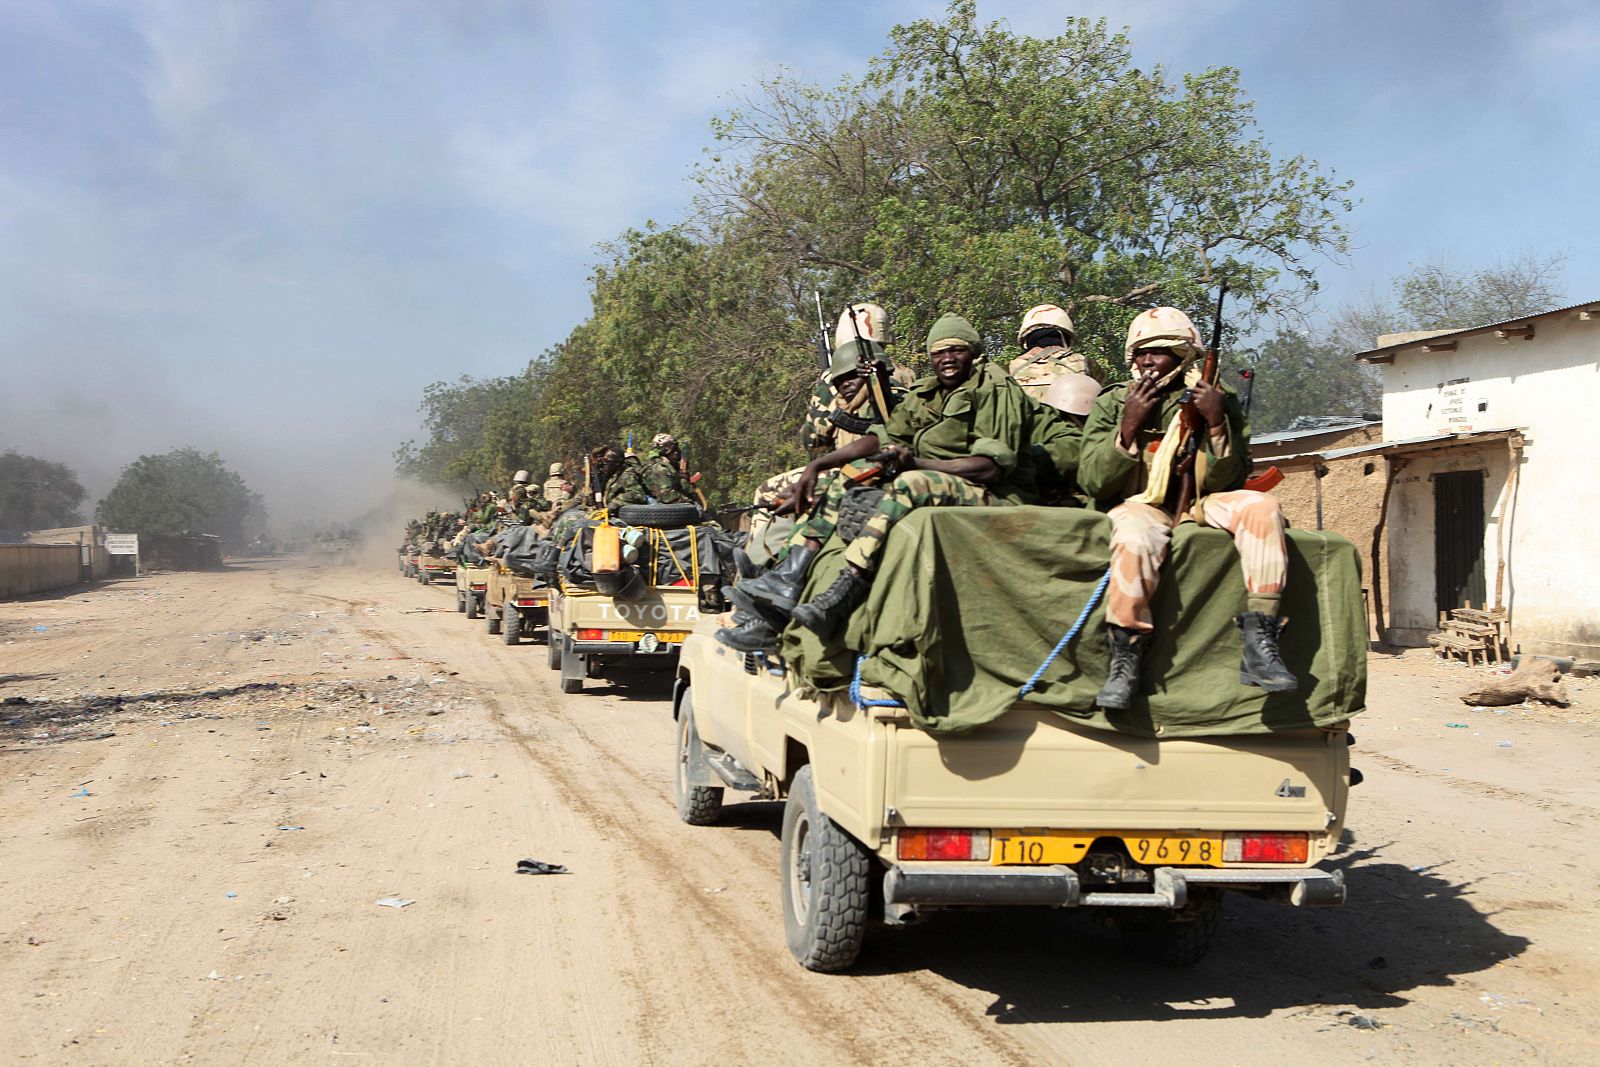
(871, 320)
(847, 359)
(1163, 327)
(1072, 393)
(1047, 317)
(520, 478)
(662, 440)
(555, 470)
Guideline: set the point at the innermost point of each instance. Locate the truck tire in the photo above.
(491, 621)
(659, 516)
(472, 605)
(552, 649)
(573, 669)
(1177, 940)
(698, 805)
(827, 883)
(510, 624)
(422, 576)
(461, 602)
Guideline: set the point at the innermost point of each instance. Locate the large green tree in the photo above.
(968, 168)
(183, 491)
(37, 494)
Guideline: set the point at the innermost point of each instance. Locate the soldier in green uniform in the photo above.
(961, 438)
(621, 477)
(1129, 465)
(664, 472)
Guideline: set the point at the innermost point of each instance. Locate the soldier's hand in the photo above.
(804, 490)
(901, 457)
(1208, 401)
(1142, 397)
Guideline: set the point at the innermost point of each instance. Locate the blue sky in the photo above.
(263, 227)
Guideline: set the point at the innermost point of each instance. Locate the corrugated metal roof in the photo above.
(1325, 424)
(1406, 445)
(1387, 352)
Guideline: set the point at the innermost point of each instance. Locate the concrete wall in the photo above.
(1550, 387)
(28, 569)
(1352, 493)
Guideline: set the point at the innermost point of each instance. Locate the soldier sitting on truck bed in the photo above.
(962, 437)
(1128, 461)
(842, 409)
(621, 476)
(664, 475)
(1046, 336)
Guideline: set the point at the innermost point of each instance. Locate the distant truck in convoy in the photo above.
(609, 612)
(514, 605)
(472, 582)
(1147, 819)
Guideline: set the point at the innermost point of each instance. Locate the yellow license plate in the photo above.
(666, 637)
(1030, 847)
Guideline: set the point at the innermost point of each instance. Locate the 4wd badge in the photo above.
(1295, 792)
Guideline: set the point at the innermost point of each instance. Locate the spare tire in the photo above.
(659, 516)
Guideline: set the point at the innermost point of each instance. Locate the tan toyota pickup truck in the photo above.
(590, 631)
(1027, 810)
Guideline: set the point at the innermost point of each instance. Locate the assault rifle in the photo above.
(873, 367)
(1192, 424)
(824, 346)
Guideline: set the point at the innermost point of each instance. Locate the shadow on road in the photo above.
(1403, 928)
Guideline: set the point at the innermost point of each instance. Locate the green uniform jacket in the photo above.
(627, 486)
(664, 481)
(1111, 475)
(986, 415)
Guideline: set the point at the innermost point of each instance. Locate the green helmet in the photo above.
(847, 358)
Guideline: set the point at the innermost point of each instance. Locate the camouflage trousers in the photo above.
(1141, 536)
(903, 494)
(769, 532)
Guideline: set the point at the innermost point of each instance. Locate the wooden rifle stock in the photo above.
(1192, 424)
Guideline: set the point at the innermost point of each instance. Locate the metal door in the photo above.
(1458, 539)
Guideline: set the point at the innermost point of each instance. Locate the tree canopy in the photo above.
(968, 168)
(37, 494)
(182, 491)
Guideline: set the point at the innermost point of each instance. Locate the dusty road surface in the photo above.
(210, 779)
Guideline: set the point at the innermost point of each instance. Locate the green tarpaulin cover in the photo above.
(968, 602)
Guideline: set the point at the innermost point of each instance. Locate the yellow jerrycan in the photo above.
(607, 549)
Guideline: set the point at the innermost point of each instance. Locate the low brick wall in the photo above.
(28, 569)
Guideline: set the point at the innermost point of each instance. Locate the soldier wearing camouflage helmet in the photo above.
(665, 478)
(1046, 336)
(1128, 462)
(557, 490)
(957, 440)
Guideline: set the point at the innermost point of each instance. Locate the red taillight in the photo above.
(591, 635)
(477, 588)
(527, 603)
(1265, 848)
(922, 844)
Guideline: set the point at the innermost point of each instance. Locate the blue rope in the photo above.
(1066, 638)
(862, 702)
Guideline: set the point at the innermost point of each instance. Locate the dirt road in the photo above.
(210, 779)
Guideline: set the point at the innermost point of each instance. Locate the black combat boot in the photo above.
(747, 568)
(834, 604)
(1122, 677)
(1263, 664)
(750, 633)
(779, 588)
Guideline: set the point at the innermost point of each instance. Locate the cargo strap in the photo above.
(1066, 638)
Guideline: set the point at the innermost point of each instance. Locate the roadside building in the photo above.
(1479, 491)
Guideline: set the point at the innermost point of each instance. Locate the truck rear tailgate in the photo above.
(1032, 769)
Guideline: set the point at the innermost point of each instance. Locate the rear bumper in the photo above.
(1059, 887)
